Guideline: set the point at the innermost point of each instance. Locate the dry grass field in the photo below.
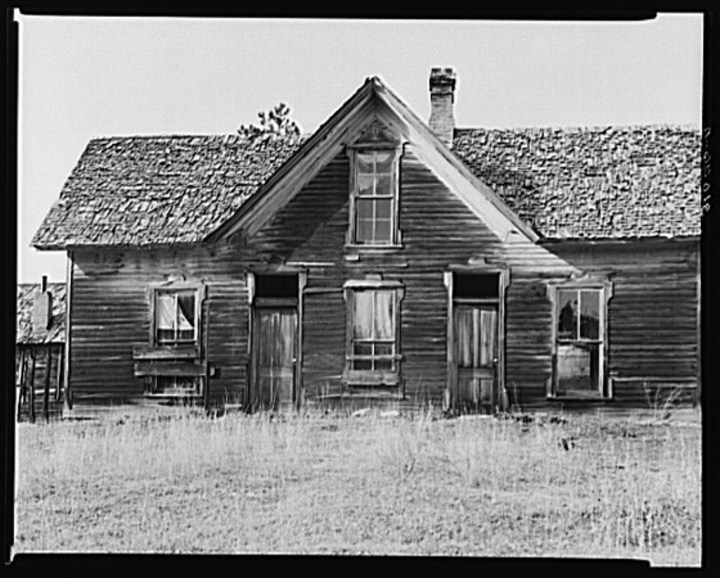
(578, 486)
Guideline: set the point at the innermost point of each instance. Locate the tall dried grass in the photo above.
(585, 486)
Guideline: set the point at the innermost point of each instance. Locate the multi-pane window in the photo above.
(579, 341)
(375, 198)
(373, 339)
(176, 317)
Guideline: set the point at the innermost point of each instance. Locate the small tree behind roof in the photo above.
(274, 123)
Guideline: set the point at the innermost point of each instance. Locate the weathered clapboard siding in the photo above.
(437, 230)
(653, 315)
(111, 314)
(655, 294)
(227, 341)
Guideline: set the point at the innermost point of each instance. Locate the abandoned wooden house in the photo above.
(39, 350)
(383, 258)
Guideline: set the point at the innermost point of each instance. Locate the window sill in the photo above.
(175, 395)
(374, 248)
(166, 352)
(578, 398)
(363, 379)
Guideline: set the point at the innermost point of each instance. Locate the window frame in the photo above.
(174, 360)
(176, 291)
(354, 152)
(604, 289)
(373, 377)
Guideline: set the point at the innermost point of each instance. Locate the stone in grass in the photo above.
(361, 412)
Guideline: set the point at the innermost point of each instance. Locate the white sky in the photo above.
(82, 78)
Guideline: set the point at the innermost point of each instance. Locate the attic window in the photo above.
(374, 197)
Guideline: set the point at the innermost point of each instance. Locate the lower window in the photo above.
(372, 348)
(579, 346)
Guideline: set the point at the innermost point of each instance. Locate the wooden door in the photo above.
(476, 356)
(275, 357)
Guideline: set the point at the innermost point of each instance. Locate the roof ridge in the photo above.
(188, 136)
(588, 128)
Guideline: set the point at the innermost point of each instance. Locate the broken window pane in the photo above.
(567, 307)
(366, 185)
(590, 314)
(578, 368)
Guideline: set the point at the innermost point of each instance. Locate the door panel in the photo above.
(275, 355)
(476, 355)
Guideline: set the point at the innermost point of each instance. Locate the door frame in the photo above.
(254, 303)
(450, 400)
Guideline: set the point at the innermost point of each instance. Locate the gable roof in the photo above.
(614, 182)
(371, 101)
(25, 333)
(608, 182)
(155, 190)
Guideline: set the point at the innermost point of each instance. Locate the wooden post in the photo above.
(46, 384)
(21, 393)
(58, 376)
(67, 391)
(31, 391)
(298, 393)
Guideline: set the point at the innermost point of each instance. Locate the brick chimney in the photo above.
(42, 309)
(442, 98)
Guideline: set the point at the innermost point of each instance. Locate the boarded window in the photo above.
(373, 342)
(176, 316)
(375, 198)
(579, 342)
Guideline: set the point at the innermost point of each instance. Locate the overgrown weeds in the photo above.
(564, 486)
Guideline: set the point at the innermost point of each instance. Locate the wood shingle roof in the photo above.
(141, 191)
(610, 182)
(614, 182)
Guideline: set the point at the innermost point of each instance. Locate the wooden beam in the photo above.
(59, 374)
(302, 282)
(46, 382)
(68, 333)
(169, 368)
(449, 400)
(22, 393)
(31, 392)
(147, 352)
